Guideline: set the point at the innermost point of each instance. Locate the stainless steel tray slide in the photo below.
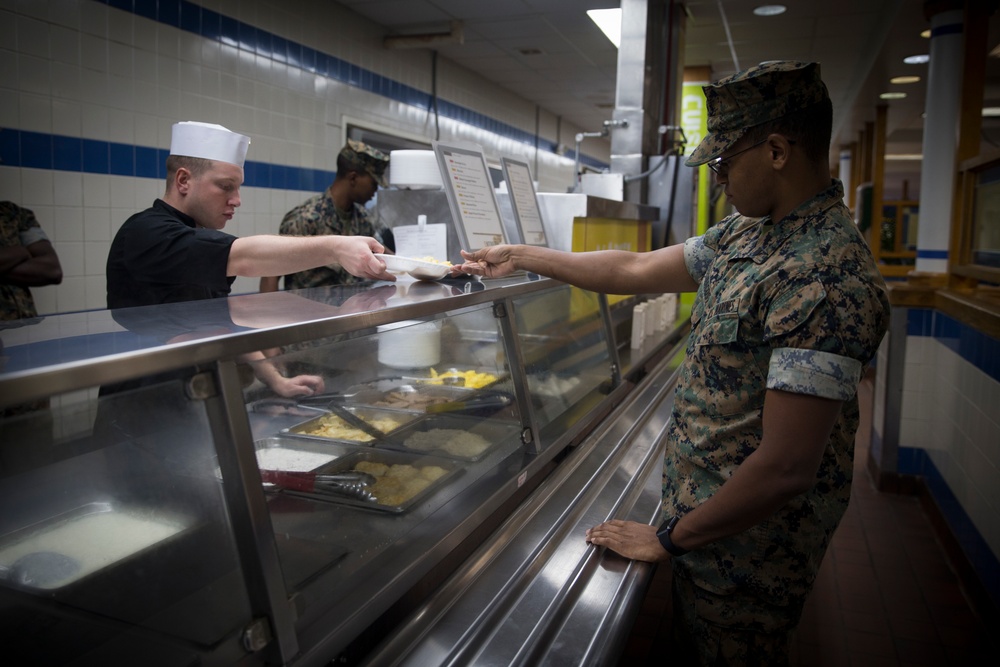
(536, 592)
(490, 433)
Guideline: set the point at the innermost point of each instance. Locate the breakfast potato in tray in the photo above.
(401, 480)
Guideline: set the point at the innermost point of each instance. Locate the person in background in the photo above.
(790, 308)
(176, 250)
(27, 259)
(340, 211)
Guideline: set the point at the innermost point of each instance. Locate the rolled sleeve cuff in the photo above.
(814, 373)
(32, 235)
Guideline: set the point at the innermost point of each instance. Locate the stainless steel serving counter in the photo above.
(132, 445)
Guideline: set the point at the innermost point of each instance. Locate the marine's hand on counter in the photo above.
(631, 539)
(493, 262)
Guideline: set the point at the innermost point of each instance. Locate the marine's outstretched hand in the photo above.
(492, 262)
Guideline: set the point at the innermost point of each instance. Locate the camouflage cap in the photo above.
(368, 159)
(756, 95)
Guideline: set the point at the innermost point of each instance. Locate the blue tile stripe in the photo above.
(20, 148)
(209, 24)
(932, 254)
(915, 461)
(979, 349)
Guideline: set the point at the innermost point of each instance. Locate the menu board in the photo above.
(523, 201)
(469, 189)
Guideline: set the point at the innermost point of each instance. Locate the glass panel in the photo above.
(565, 353)
(113, 517)
(986, 225)
(439, 396)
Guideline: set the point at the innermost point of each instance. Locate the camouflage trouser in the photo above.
(713, 630)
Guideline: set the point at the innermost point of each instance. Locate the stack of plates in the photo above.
(414, 170)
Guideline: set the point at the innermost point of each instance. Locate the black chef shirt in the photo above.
(160, 255)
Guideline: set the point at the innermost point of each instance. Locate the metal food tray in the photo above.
(383, 388)
(84, 571)
(388, 457)
(495, 432)
(366, 413)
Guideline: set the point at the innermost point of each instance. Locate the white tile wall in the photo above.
(79, 68)
(950, 409)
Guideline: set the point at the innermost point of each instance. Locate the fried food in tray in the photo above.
(453, 436)
(401, 480)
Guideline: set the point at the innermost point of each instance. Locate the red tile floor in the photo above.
(886, 593)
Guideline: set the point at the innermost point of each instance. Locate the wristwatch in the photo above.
(663, 534)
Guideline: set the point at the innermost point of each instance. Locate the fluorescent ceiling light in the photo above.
(892, 96)
(904, 156)
(610, 23)
(991, 112)
(770, 10)
(917, 60)
(904, 79)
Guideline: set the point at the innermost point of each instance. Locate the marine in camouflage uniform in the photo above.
(796, 305)
(790, 307)
(18, 227)
(319, 215)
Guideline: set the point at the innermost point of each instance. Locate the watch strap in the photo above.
(664, 534)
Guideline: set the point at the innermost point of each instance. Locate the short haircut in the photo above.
(346, 165)
(811, 128)
(196, 165)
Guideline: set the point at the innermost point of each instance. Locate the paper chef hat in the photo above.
(208, 141)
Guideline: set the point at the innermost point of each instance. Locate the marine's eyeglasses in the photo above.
(722, 164)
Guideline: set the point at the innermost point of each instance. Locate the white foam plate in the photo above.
(417, 268)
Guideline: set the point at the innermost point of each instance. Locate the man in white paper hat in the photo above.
(175, 251)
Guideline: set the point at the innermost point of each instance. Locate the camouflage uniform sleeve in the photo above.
(697, 257)
(823, 327)
(291, 224)
(28, 230)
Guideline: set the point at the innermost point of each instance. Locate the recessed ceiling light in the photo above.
(770, 10)
(610, 23)
(926, 34)
(904, 79)
(917, 60)
(892, 96)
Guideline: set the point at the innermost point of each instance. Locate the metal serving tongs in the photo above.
(355, 421)
(486, 401)
(352, 483)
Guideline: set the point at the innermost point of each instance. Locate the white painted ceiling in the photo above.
(549, 52)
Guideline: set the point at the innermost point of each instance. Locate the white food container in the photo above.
(409, 344)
